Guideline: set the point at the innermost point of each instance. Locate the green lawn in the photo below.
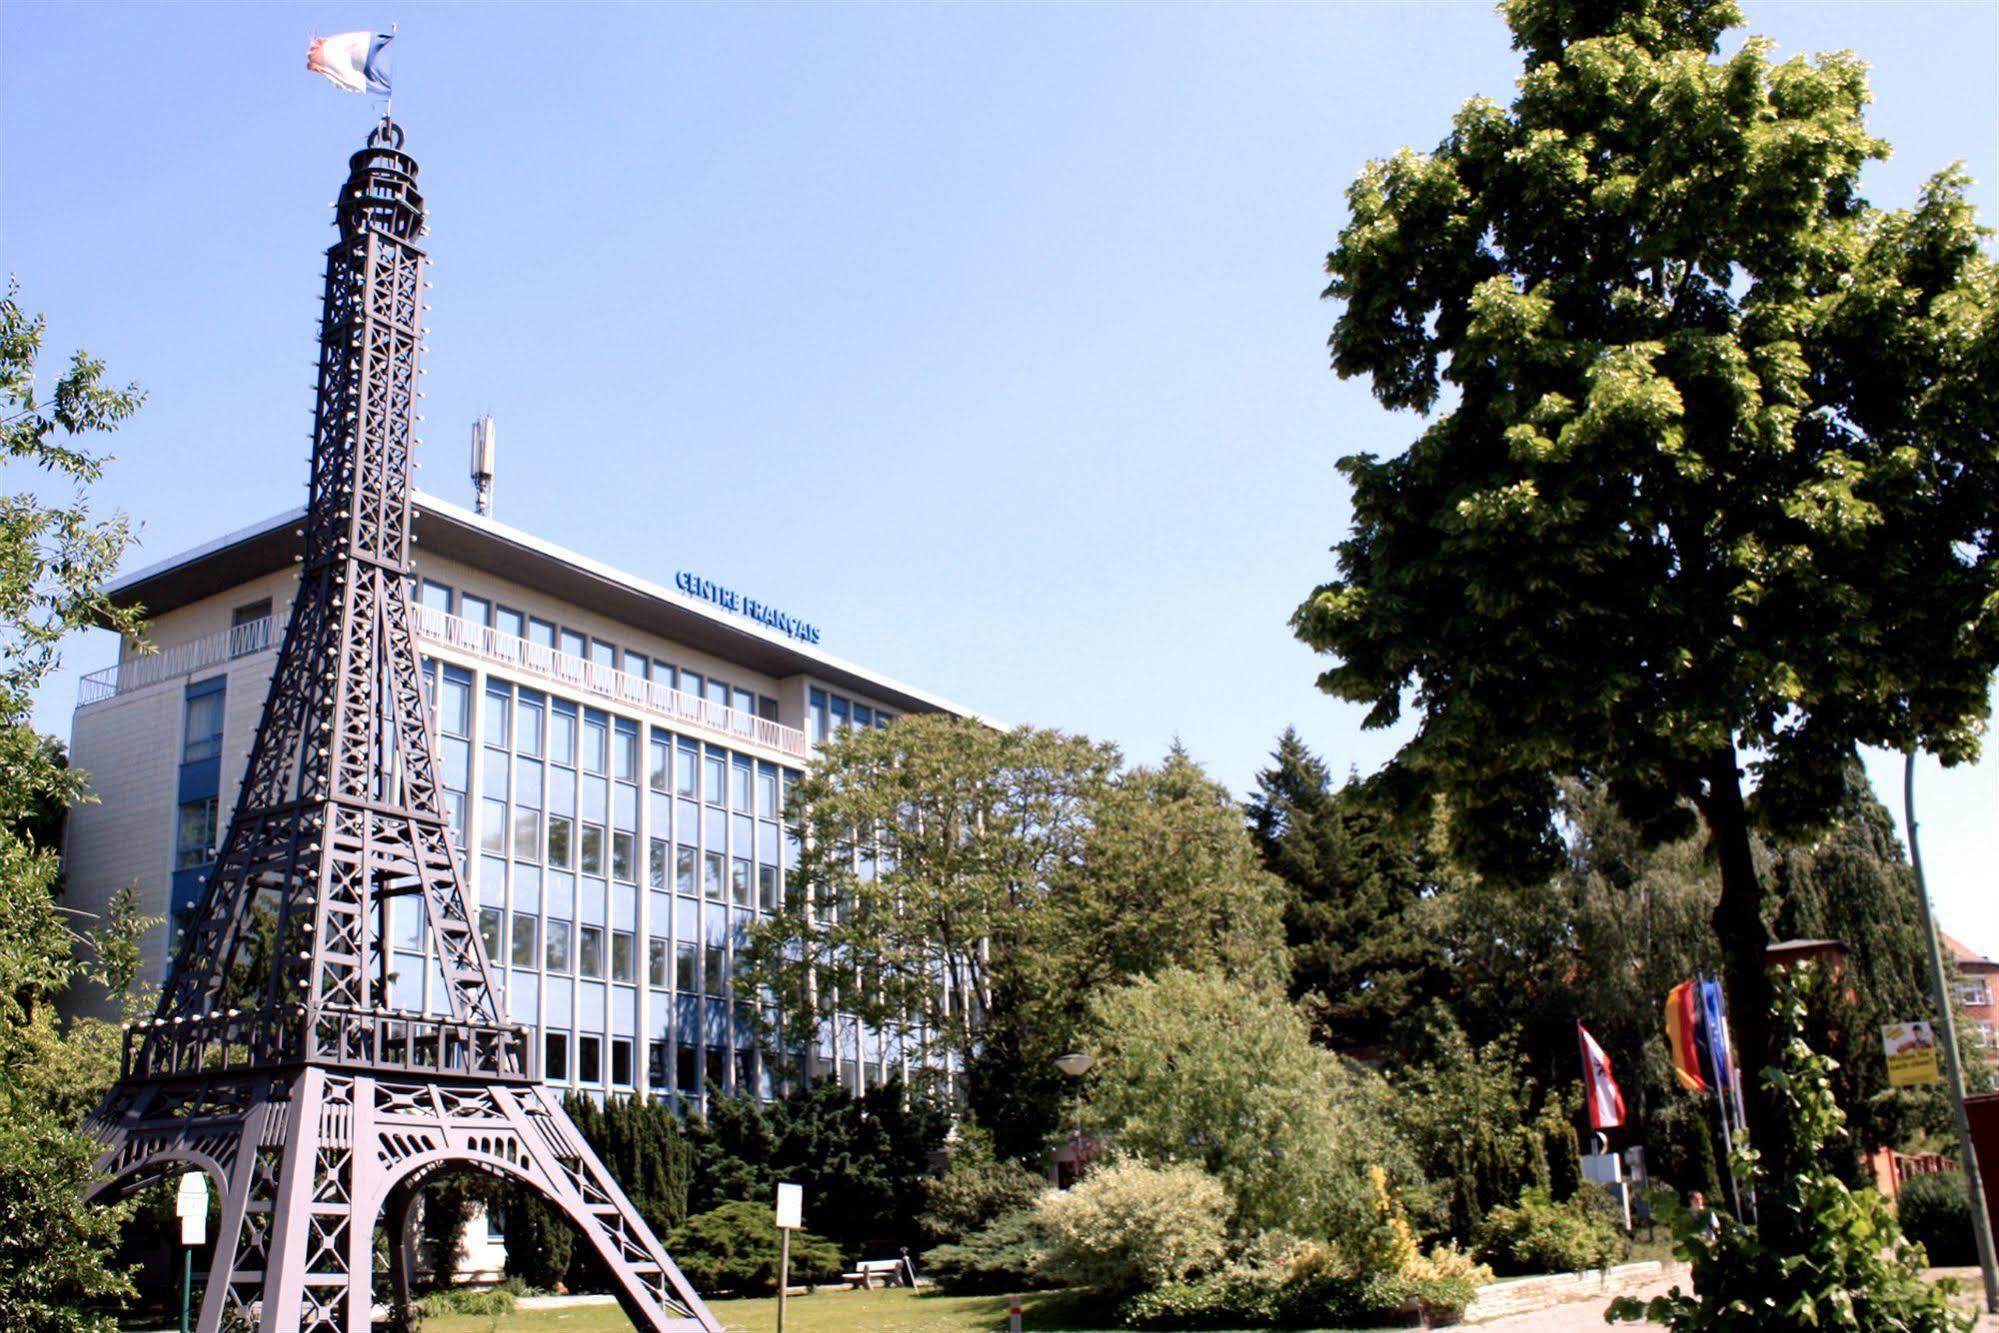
(821, 1312)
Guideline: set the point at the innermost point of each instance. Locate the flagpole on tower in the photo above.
(389, 102)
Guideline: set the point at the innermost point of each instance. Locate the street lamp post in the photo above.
(1075, 1065)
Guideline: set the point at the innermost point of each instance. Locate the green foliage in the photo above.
(54, 1248)
(976, 1190)
(864, 1161)
(735, 1248)
(1538, 1235)
(1378, 1277)
(1361, 955)
(1935, 1212)
(1194, 1067)
(1128, 1226)
(972, 824)
(1704, 419)
(495, 1301)
(55, 556)
(645, 1148)
(540, 1242)
(1003, 1255)
(1821, 1255)
(1481, 1130)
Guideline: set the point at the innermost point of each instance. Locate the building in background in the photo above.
(1977, 980)
(615, 756)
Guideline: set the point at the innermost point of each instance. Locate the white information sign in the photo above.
(791, 1207)
(191, 1206)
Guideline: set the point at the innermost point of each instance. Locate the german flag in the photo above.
(1682, 1027)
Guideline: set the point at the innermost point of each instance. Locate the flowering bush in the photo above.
(1130, 1226)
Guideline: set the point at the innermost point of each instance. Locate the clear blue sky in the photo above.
(988, 338)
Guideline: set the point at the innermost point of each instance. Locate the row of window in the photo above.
(826, 712)
(506, 620)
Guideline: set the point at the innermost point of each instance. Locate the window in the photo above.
(739, 785)
(250, 628)
(560, 828)
(496, 1222)
(625, 754)
(476, 610)
(624, 964)
(739, 881)
(541, 632)
(493, 827)
(815, 715)
(604, 654)
(662, 674)
(509, 622)
(497, 703)
(573, 644)
(637, 665)
(691, 683)
(863, 716)
(562, 735)
(711, 777)
(555, 1057)
(656, 1062)
(686, 968)
(621, 1061)
(622, 847)
(1975, 993)
(686, 1073)
(527, 833)
(683, 774)
(557, 955)
(590, 951)
(489, 930)
(527, 727)
(766, 708)
(767, 791)
(711, 875)
(767, 887)
(202, 736)
(525, 933)
(594, 733)
(656, 963)
(656, 863)
(591, 861)
(717, 968)
(589, 1055)
(436, 596)
(194, 839)
(683, 870)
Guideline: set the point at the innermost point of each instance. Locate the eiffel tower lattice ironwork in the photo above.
(278, 1061)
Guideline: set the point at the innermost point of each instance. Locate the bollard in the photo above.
(1013, 1314)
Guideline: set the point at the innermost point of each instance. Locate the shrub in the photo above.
(1282, 1282)
(1004, 1255)
(735, 1248)
(976, 1191)
(1538, 1235)
(1936, 1214)
(1130, 1226)
(498, 1300)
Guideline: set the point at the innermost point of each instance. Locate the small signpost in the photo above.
(790, 1217)
(191, 1206)
(1912, 1055)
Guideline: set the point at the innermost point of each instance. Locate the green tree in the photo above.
(1714, 474)
(929, 849)
(55, 556)
(735, 1247)
(1196, 1068)
(1362, 956)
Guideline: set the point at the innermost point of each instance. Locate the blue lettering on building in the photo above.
(730, 600)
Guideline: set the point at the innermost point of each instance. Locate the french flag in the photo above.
(354, 62)
(1606, 1103)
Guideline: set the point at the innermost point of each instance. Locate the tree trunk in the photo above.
(1739, 928)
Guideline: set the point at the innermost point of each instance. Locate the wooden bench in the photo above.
(888, 1272)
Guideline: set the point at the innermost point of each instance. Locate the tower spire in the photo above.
(280, 1059)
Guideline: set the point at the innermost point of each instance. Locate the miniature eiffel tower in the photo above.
(278, 1062)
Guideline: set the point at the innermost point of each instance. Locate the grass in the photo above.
(893, 1311)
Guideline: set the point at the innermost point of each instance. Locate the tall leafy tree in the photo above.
(1711, 475)
(929, 852)
(55, 555)
(1362, 954)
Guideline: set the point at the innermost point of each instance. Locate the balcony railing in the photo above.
(577, 674)
(582, 674)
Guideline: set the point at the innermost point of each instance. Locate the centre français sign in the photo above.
(730, 600)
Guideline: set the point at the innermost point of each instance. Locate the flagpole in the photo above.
(1723, 1093)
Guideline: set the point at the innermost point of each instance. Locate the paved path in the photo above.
(1587, 1316)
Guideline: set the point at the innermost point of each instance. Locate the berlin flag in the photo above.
(1606, 1103)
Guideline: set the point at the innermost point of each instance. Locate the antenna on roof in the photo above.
(483, 436)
